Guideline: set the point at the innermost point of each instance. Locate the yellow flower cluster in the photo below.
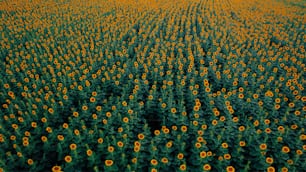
(142, 85)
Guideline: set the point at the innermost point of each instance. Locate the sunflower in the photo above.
(27, 133)
(75, 114)
(263, 146)
(235, 119)
(230, 169)
(196, 108)
(100, 140)
(125, 119)
(73, 146)
(30, 161)
(270, 169)
(60, 137)
(153, 170)
(242, 143)
(137, 143)
(276, 107)
(214, 122)
(255, 96)
(120, 144)
(108, 114)
(285, 149)
(224, 145)
(141, 136)
(294, 126)
(25, 143)
(130, 111)
(184, 128)
(268, 130)
(68, 158)
(84, 108)
(154, 162)
(291, 105)
(203, 154)
(136, 148)
(124, 103)
(180, 156)
(195, 123)
(269, 160)
(166, 130)
(169, 144)
(284, 169)
(216, 113)
(256, 123)
(6, 86)
(198, 145)
(98, 108)
(227, 156)
(94, 116)
(164, 160)
(89, 152)
(240, 96)
(34, 124)
(56, 168)
(94, 93)
(222, 118)
(92, 99)
(65, 125)
(297, 113)
(109, 162)
(110, 149)
(15, 126)
(206, 167)
(183, 167)
(76, 132)
(241, 128)
(173, 110)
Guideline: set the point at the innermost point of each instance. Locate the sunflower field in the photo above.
(152, 85)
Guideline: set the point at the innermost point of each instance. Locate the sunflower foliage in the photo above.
(139, 85)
